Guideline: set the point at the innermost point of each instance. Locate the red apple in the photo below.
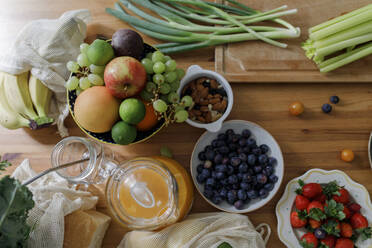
(124, 77)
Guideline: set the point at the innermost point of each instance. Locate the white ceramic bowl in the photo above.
(194, 72)
(358, 193)
(262, 137)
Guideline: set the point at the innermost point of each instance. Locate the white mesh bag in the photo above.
(205, 230)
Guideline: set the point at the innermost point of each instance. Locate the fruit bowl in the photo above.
(262, 137)
(358, 193)
(106, 137)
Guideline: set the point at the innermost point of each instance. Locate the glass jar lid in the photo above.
(142, 194)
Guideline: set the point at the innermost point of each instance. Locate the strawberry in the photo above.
(309, 190)
(301, 202)
(343, 196)
(346, 230)
(347, 212)
(328, 242)
(321, 198)
(315, 211)
(314, 223)
(344, 243)
(360, 224)
(298, 219)
(308, 240)
(355, 207)
(332, 227)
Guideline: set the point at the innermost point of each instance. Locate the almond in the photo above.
(204, 93)
(214, 84)
(204, 109)
(214, 100)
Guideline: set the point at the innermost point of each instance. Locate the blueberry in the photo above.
(232, 154)
(209, 187)
(246, 133)
(334, 99)
(254, 180)
(239, 204)
(207, 164)
(327, 108)
(233, 179)
(269, 170)
(199, 168)
(264, 148)
(230, 131)
(218, 159)
(206, 173)
(201, 156)
(256, 151)
(224, 181)
(273, 178)
(232, 147)
(200, 178)
(221, 143)
(251, 142)
(225, 160)
(240, 176)
(252, 194)
(216, 200)
(243, 168)
(221, 168)
(257, 169)
(232, 194)
(221, 136)
(210, 155)
(250, 171)
(272, 161)
(320, 233)
(208, 193)
(230, 170)
(242, 194)
(261, 178)
(251, 159)
(229, 138)
(243, 157)
(263, 159)
(211, 182)
(269, 186)
(263, 193)
(258, 186)
(240, 150)
(235, 161)
(214, 143)
(220, 175)
(223, 193)
(246, 149)
(236, 138)
(245, 186)
(214, 175)
(208, 148)
(247, 178)
(242, 142)
(223, 150)
(236, 186)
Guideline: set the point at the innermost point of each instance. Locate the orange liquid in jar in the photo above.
(155, 184)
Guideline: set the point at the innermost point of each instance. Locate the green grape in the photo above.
(171, 65)
(180, 73)
(187, 101)
(150, 87)
(159, 67)
(157, 57)
(158, 79)
(147, 96)
(95, 79)
(83, 60)
(72, 83)
(165, 89)
(175, 85)
(72, 66)
(173, 97)
(160, 106)
(84, 83)
(166, 58)
(170, 76)
(84, 47)
(181, 116)
(149, 55)
(164, 98)
(148, 65)
(78, 91)
(178, 108)
(96, 69)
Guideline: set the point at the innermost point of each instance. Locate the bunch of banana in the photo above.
(20, 96)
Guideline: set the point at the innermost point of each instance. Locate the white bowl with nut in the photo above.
(212, 95)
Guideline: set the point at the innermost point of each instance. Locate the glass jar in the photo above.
(143, 193)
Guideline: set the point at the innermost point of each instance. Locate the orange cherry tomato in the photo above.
(296, 108)
(347, 155)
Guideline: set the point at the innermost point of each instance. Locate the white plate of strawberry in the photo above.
(324, 209)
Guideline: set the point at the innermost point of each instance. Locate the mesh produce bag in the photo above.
(44, 47)
(206, 230)
(54, 199)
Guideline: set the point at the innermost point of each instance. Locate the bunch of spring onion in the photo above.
(341, 40)
(193, 24)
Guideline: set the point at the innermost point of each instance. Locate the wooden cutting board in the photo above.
(256, 61)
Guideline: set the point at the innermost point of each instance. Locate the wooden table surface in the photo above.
(313, 140)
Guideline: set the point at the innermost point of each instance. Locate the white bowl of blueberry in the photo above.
(239, 169)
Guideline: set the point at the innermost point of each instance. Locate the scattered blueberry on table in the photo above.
(334, 99)
(327, 108)
(235, 169)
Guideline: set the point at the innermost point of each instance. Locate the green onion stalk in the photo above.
(341, 40)
(193, 24)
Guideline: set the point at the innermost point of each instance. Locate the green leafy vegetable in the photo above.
(317, 214)
(365, 233)
(331, 189)
(334, 210)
